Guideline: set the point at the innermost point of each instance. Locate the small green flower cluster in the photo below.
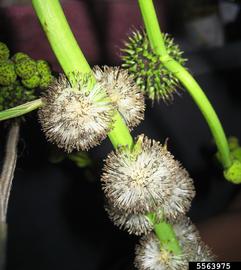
(20, 75)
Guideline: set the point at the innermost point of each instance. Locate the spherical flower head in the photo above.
(7, 73)
(26, 68)
(150, 255)
(149, 73)
(140, 181)
(137, 224)
(123, 92)
(76, 117)
(4, 51)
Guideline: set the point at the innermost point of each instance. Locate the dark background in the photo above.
(56, 217)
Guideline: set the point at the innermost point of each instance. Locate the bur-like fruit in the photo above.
(151, 255)
(123, 92)
(76, 117)
(141, 182)
(145, 65)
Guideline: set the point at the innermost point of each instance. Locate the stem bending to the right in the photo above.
(205, 107)
(156, 40)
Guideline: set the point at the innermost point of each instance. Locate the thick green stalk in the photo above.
(153, 29)
(61, 38)
(166, 235)
(58, 32)
(120, 134)
(156, 40)
(70, 57)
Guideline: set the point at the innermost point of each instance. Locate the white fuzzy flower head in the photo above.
(138, 182)
(137, 224)
(151, 256)
(123, 92)
(181, 196)
(142, 182)
(75, 117)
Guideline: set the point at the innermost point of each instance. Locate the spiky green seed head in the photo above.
(45, 81)
(19, 56)
(233, 173)
(149, 73)
(14, 95)
(7, 73)
(43, 67)
(4, 51)
(32, 82)
(26, 68)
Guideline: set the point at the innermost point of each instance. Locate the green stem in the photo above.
(166, 235)
(157, 42)
(70, 56)
(120, 134)
(204, 105)
(21, 109)
(59, 34)
(64, 45)
(153, 29)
